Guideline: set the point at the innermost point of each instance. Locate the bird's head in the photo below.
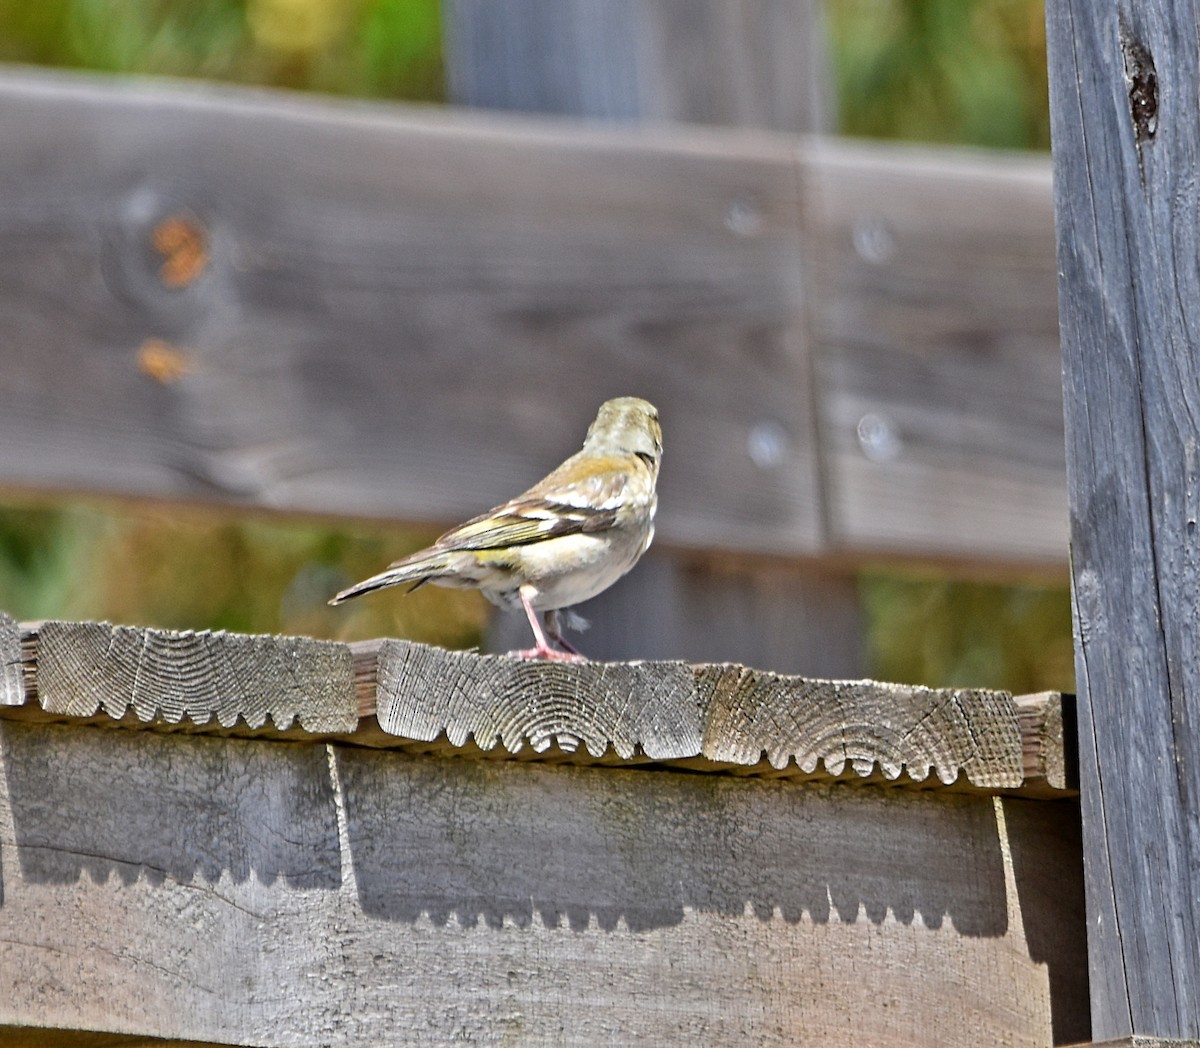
(627, 426)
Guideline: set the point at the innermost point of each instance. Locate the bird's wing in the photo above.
(567, 502)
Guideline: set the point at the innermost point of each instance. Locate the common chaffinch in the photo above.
(566, 539)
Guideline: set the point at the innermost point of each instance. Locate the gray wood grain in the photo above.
(338, 349)
(400, 695)
(724, 714)
(31, 1037)
(240, 891)
(750, 63)
(936, 326)
(172, 676)
(1126, 134)
(388, 312)
(12, 673)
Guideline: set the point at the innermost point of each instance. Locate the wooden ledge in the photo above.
(1138, 1041)
(399, 694)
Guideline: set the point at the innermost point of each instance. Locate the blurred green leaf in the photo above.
(969, 71)
(946, 632)
(367, 48)
(184, 568)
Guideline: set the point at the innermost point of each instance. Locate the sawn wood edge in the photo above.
(717, 718)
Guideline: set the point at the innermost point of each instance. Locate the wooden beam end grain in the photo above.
(631, 708)
(1049, 752)
(399, 694)
(201, 677)
(705, 717)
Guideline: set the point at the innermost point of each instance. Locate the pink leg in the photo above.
(542, 650)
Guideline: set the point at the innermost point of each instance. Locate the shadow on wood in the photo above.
(114, 806)
(631, 848)
(280, 893)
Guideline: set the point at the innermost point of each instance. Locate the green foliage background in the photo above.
(964, 71)
(969, 71)
(366, 48)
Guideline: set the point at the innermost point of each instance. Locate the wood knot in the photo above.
(159, 360)
(1141, 81)
(183, 245)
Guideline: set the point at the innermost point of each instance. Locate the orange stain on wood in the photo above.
(183, 244)
(162, 362)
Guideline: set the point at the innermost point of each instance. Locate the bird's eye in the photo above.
(646, 457)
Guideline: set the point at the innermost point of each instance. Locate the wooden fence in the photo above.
(256, 300)
(1127, 145)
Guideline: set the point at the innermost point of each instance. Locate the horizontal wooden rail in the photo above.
(402, 695)
(936, 343)
(261, 300)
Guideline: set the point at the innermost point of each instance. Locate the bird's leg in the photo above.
(542, 650)
(555, 632)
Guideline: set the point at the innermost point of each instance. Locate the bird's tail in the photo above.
(416, 571)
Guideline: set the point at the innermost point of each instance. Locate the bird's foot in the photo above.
(549, 654)
(542, 649)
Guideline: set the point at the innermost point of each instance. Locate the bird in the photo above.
(561, 542)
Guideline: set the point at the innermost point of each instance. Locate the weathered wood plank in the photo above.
(749, 63)
(935, 320)
(859, 726)
(331, 342)
(727, 715)
(12, 674)
(1144, 1042)
(402, 695)
(426, 692)
(177, 675)
(34, 1037)
(297, 895)
(248, 318)
(1126, 132)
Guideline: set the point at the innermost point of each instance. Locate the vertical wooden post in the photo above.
(1124, 84)
(750, 63)
(757, 63)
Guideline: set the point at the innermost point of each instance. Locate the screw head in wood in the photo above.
(873, 241)
(877, 438)
(767, 444)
